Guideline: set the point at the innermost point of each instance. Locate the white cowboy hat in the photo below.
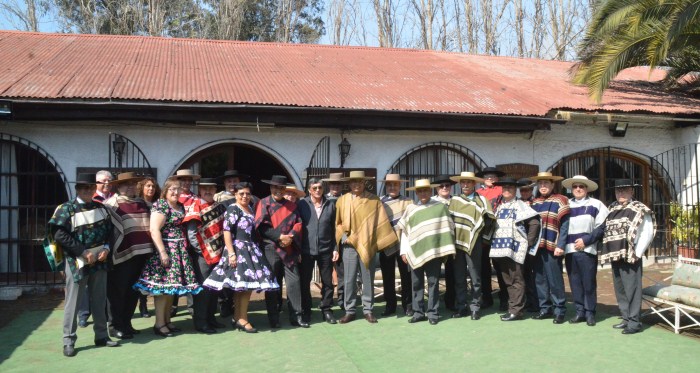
(181, 174)
(422, 183)
(354, 175)
(393, 177)
(466, 175)
(546, 176)
(335, 177)
(580, 179)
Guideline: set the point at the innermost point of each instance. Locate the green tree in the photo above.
(654, 33)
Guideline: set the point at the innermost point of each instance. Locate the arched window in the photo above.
(436, 158)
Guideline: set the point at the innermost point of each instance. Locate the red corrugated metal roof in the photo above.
(107, 67)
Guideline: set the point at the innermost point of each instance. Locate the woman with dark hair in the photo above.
(148, 190)
(170, 272)
(243, 267)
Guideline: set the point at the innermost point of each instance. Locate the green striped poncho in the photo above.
(428, 233)
(470, 218)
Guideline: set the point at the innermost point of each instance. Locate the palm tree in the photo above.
(654, 33)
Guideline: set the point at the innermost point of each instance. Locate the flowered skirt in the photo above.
(178, 279)
(252, 271)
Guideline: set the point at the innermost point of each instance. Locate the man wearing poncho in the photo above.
(472, 214)
(427, 236)
(517, 231)
(629, 230)
(363, 229)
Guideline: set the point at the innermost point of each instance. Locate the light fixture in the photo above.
(344, 149)
(618, 129)
(6, 109)
(118, 145)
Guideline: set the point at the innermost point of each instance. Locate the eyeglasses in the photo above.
(578, 186)
(174, 190)
(244, 194)
(445, 185)
(316, 188)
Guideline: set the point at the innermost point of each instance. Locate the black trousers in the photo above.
(325, 268)
(486, 270)
(582, 268)
(531, 301)
(463, 264)
(204, 302)
(450, 295)
(293, 282)
(627, 280)
(340, 276)
(122, 298)
(388, 264)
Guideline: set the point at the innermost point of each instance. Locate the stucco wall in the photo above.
(165, 146)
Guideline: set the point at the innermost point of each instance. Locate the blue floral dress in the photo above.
(178, 279)
(252, 271)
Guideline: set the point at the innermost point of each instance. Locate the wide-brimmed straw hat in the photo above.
(278, 180)
(232, 173)
(293, 188)
(393, 177)
(580, 179)
(354, 175)
(182, 174)
(508, 181)
(625, 183)
(526, 183)
(490, 170)
(422, 183)
(545, 175)
(466, 175)
(335, 177)
(86, 179)
(126, 177)
(207, 181)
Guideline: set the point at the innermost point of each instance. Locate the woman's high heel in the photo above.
(158, 330)
(243, 328)
(172, 328)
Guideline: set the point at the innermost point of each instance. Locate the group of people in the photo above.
(144, 241)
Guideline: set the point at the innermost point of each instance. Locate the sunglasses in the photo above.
(445, 185)
(316, 188)
(578, 186)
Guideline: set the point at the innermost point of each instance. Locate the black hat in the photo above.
(443, 179)
(526, 183)
(508, 181)
(490, 170)
(207, 181)
(85, 178)
(278, 180)
(625, 183)
(232, 173)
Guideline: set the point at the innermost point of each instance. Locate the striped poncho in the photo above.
(510, 238)
(621, 229)
(552, 210)
(395, 208)
(587, 215)
(210, 234)
(470, 216)
(428, 232)
(131, 221)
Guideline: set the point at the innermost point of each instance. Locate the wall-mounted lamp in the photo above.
(118, 145)
(344, 149)
(618, 129)
(5, 109)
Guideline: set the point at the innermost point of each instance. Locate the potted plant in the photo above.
(685, 228)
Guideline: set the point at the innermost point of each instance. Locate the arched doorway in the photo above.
(31, 186)
(250, 158)
(435, 158)
(605, 165)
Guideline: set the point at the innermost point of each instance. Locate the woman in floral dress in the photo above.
(169, 272)
(243, 267)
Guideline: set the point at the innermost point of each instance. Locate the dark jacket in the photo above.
(318, 233)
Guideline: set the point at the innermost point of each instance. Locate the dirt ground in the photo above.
(53, 299)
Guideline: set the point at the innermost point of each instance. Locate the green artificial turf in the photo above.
(32, 342)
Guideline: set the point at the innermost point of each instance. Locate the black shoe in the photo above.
(433, 321)
(543, 315)
(349, 317)
(143, 310)
(274, 323)
(173, 328)
(106, 342)
(460, 314)
(410, 312)
(120, 334)
(69, 351)
(622, 325)
(328, 317)
(216, 325)
(590, 321)
(388, 311)
(158, 330)
(299, 321)
(83, 324)
(417, 318)
(475, 315)
(631, 331)
(577, 320)
(206, 330)
(558, 319)
(242, 327)
(132, 330)
(511, 317)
